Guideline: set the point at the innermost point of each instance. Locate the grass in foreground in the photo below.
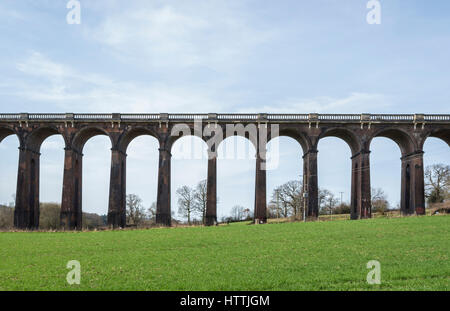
(413, 252)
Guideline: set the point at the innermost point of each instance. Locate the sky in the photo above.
(221, 56)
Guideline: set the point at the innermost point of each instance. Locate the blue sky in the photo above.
(221, 56)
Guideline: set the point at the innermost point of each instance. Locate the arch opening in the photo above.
(436, 162)
(335, 176)
(51, 164)
(189, 169)
(85, 135)
(401, 138)
(385, 174)
(236, 169)
(142, 175)
(346, 135)
(95, 183)
(38, 136)
(285, 182)
(9, 151)
(136, 133)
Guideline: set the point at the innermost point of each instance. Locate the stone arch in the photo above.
(86, 133)
(7, 131)
(178, 131)
(404, 140)
(128, 136)
(249, 132)
(38, 136)
(443, 134)
(177, 139)
(301, 137)
(346, 135)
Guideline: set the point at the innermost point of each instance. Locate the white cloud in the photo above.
(52, 82)
(212, 34)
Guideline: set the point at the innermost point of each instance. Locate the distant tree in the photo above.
(273, 211)
(200, 199)
(275, 208)
(237, 213)
(6, 217)
(437, 183)
(323, 193)
(93, 221)
(186, 202)
(328, 201)
(343, 208)
(135, 211)
(248, 214)
(151, 212)
(379, 200)
(289, 198)
(49, 216)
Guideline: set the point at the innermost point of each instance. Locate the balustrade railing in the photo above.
(245, 117)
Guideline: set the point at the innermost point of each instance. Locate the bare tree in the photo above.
(437, 182)
(289, 198)
(379, 200)
(275, 208)
(186, 202)
(200, 199)
(237, 213)
(327, 201)
(135, 211)
(151, 212)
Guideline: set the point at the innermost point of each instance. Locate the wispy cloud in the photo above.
(48, 81)
(211, 34)
(353, 103)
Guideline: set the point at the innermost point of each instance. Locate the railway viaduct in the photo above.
(408, 131)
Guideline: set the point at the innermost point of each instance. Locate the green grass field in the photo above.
(413, 252)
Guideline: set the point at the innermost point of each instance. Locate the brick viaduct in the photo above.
(357, 130)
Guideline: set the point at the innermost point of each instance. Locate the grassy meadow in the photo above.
(332, 255)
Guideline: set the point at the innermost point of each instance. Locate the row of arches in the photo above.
(80, 138)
